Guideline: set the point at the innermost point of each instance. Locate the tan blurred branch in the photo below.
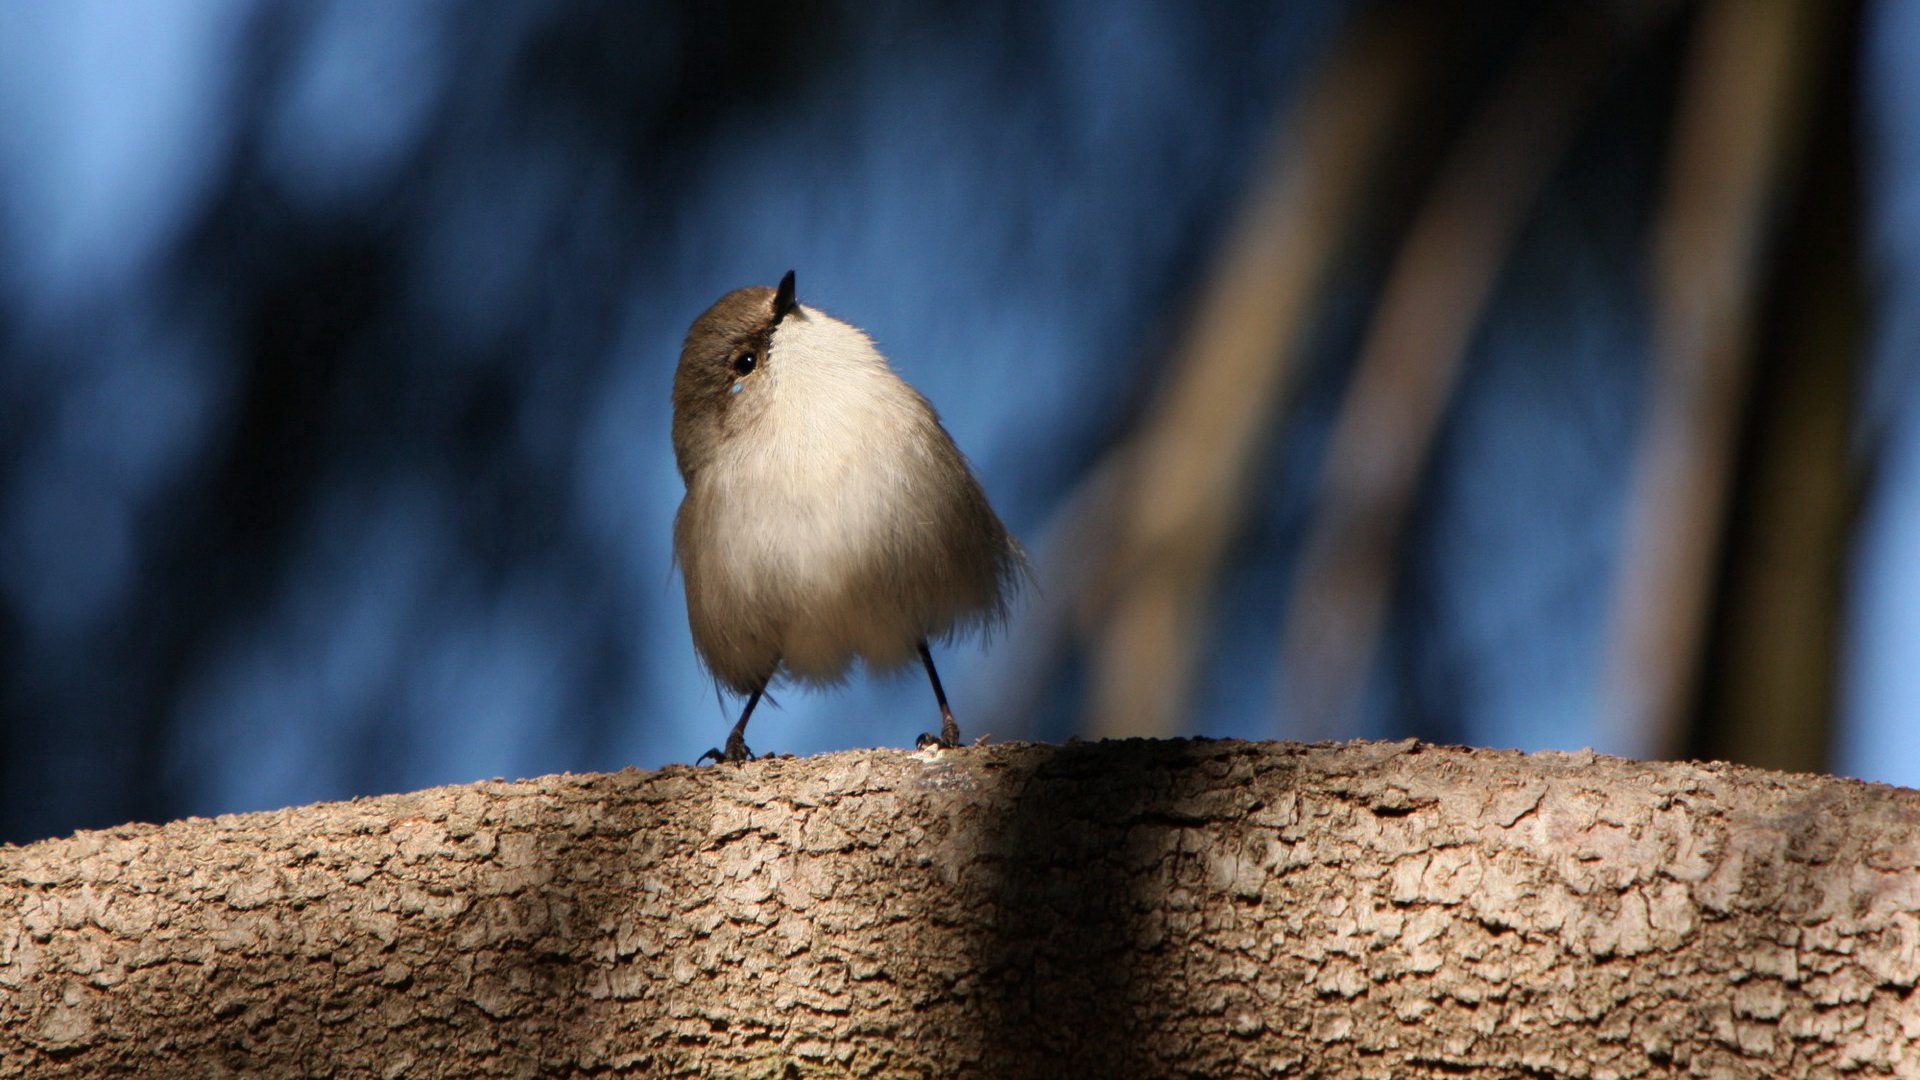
(1188, 470)
(1773, 662)
(1433, 300)
(1742, 108)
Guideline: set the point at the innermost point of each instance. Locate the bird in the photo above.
(829, 517)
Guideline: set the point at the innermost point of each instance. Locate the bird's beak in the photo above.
(783, 301)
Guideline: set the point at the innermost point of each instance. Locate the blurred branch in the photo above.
(1188, 470)
(1433, 300)
(1771, 670)
(1742, 103)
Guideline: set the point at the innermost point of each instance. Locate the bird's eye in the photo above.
(745, 363)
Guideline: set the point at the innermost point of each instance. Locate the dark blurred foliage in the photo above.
(333, 449)
(402, 281)
(380, 339)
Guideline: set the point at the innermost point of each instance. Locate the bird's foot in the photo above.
(736, 752)
(948, 739)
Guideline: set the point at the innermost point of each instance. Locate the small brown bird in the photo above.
(828, 514)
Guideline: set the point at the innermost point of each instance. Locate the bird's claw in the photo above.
(736, 752)
(948, 739)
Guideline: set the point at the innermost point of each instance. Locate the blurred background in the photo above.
(1512, 373)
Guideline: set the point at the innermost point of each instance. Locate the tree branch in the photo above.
(1134, 909)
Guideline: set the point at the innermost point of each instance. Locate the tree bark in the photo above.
(1128, 909)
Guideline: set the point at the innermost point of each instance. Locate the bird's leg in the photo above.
(736, 750)
(949, 731)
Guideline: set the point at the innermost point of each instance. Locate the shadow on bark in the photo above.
(1107, 852)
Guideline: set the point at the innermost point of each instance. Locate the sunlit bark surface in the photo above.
(1133, 909)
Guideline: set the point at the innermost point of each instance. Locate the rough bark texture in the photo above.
(1136, 909)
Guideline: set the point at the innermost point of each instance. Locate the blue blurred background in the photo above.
(336, 338)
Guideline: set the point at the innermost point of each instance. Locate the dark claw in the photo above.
(736, 752)
(948, 739)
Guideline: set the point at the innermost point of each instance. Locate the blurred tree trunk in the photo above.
(1132, 909)
(1745, 105)
(1184, 479)
(1404, 377)
(1771, 678)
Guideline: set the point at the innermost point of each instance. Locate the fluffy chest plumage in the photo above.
(814, 482)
